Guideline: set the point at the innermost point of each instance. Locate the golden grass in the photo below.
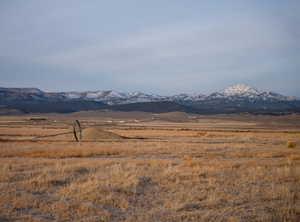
(170, 175)
(62, 152)
(40, 153)
(294, 156)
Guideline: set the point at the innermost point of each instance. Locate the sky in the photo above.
(160, 46)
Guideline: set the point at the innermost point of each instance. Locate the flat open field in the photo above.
(150, 167)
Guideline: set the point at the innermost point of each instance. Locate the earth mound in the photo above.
(94, 134)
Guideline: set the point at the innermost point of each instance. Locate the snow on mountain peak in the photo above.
(116, 94)
(236, 92)
(240, 90)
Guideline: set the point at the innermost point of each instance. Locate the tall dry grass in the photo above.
(171, 175)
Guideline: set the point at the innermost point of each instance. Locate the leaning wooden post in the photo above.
(75, 135)
(77, 129)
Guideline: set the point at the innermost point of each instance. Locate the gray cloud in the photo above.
(185, 51)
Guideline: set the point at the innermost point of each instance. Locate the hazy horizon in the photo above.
(164, 48)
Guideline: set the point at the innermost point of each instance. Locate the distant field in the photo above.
(163, 167)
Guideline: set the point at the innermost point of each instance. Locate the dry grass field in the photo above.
(162, 168)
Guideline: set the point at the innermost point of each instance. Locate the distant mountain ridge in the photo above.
(251, 93)
(237, 98)
(234, 92)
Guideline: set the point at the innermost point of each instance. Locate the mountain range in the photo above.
(235, 99)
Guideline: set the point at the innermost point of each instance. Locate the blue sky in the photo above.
(164, 47)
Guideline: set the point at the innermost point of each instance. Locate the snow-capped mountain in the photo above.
(187, 97)
(240, 91)
(114, 98)
(235, 92)
(237, 98)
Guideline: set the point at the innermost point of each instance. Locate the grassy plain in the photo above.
(170, 167)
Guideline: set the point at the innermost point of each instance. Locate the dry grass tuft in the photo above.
(291, 144)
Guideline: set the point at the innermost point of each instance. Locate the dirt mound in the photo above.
(94, 134)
